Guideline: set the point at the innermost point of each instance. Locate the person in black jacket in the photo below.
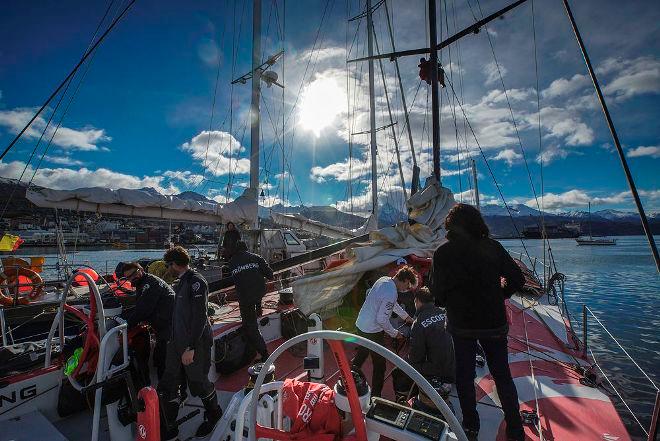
(431, 347)
(190, 347)
(472, 277)
(229, 240)
(249, 272)
(155, 299)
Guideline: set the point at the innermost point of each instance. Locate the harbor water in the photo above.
(618, 283)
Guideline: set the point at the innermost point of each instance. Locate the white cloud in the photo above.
(87, 138)
(551, 154)
(186, 177)
(652, 151)
(63, 160)
(566, 125)
(211, 150)
(498, 96)
(508, 155)
(564, 86)
(633, 77)
(580, 198)
(492, 74)
(67, 179)
(341, 171)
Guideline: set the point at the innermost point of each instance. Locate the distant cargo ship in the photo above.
(568, 231)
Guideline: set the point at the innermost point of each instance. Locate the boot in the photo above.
(169, 411)
(212, 414)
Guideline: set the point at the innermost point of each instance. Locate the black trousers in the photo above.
(159, 357)
(378, 361)
(496, 354)
(254, 338)
(196, 373)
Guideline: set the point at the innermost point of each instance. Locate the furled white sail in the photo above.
(428, 208)
(143, 203)
(301, 222)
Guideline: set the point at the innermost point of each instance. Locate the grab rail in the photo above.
(652, 432)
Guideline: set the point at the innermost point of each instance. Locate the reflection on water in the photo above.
(622, 287)
(619, 283)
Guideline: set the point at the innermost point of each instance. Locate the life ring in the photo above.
(19, 279)
(80, 280)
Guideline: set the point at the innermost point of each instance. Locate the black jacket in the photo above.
(155, 299)
(249, 272)
(431, 346)
(467, 281)
(190, 320)
(230, 238)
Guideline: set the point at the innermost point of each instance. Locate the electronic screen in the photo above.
(389, 414)
(425, 426)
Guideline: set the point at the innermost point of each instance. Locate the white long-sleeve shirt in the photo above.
(377, 308)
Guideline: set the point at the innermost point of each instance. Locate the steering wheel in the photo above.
(89, 354)
(334, 339)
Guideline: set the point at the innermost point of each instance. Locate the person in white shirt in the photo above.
(374, 320)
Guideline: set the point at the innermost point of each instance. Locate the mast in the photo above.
(372, 112)
(433, 45)
(589, 219)
(256, 96)
(615, 138)
(476, 185)
(415, 180)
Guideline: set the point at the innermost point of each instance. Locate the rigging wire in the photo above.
(52, 115)
(75, 92)
(68, 77)
(490, 170)
(506, 95)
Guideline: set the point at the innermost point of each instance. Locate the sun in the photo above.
(322, 101)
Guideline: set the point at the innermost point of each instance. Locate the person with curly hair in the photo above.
(374, 320)
(472, 277)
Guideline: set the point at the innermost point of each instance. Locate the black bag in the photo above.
(232, 352)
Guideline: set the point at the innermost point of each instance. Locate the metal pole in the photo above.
(615, 138)
(389, 111)
(372, 112)
(435, 102)
(256, 95)
(584, 328)
(415, 184)
(476, 185)
(653, 429)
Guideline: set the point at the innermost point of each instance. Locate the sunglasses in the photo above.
(169, 264)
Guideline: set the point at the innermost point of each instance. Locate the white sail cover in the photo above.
(315, 227)
(144, 203)
(428, 208)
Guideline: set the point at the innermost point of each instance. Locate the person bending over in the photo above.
(431, 346)
(374, 320)
(190, 348)
(250, 272)
(154, 303)
(472, 277)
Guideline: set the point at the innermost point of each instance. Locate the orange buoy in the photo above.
(80, 280)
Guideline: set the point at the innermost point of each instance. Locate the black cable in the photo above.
(68, 77)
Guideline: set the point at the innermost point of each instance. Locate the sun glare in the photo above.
(323, 100)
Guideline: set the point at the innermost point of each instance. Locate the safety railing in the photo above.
(652, 431)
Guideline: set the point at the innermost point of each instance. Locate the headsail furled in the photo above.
(143, 203)
(428, 208)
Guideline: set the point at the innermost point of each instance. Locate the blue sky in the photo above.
(141, 116)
